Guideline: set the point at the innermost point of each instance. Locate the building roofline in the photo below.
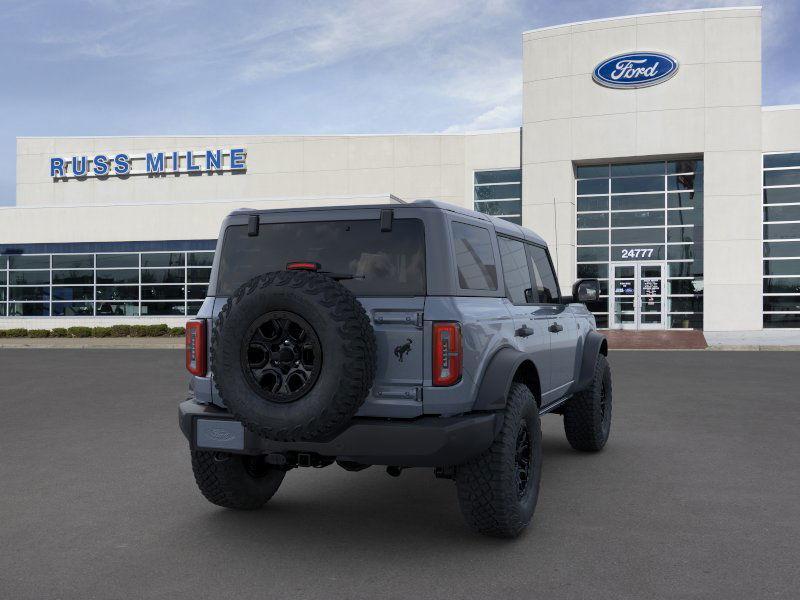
(652, 14)
(781, 107)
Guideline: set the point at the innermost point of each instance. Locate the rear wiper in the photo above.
(341, 276)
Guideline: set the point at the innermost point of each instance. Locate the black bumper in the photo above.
(422, 442)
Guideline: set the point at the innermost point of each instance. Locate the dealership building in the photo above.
(645, 158)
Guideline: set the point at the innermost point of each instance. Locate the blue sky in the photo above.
(152, 67)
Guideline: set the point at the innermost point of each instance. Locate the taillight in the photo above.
(196, 347)
(446, 353)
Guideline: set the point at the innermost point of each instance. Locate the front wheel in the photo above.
(587, 415)
(235, 481)
(498, 490)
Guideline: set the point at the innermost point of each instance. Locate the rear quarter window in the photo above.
(474, 257)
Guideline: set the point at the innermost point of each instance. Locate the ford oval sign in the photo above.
(635, 70)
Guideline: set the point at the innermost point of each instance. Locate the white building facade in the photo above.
(660, 173)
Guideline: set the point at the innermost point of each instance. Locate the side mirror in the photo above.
(586, 290)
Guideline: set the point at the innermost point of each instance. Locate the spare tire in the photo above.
(293, 355)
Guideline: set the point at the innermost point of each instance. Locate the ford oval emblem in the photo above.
(635, 70)
(221, 435)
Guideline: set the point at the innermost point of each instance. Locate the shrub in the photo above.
(17, 332)
(177, 331)
(120, 330)
(59, 332)
(101, 332)
(80, 332)
(156, 330)
(138, 330)
(2, 333)
(38, 333)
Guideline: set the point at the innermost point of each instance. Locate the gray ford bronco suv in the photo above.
(405, 335)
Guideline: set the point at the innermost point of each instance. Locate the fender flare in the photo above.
(594, 345)
(497, 379)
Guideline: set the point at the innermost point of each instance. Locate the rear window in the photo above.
(390, 263)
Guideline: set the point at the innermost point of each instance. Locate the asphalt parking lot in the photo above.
(696, 496)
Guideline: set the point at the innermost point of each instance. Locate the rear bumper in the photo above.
(422, 442)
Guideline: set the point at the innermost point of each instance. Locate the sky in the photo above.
(174, 67)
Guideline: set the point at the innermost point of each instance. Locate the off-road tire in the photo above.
(487, 487)
(347, 343)
(587, 415)
(235, 481)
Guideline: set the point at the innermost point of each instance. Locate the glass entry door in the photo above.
(637, 295)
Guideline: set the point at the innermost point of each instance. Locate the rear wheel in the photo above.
(234, 480)
(587, 415)
(498, 490)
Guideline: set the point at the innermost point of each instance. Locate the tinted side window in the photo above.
(546, 286)
(515, 270)
(474, 257)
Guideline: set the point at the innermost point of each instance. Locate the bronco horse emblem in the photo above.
(401, 351)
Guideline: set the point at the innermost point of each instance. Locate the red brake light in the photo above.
(446, 354)
(303, 266)
(196, 347)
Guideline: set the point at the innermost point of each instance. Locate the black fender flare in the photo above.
(594, 345)
(497, 378)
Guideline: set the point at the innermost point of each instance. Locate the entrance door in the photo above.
(637, 295)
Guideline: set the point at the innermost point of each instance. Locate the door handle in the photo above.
(555, 328)
(523, 331)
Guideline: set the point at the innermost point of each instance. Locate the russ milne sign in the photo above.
(635, 70)
(151, 163)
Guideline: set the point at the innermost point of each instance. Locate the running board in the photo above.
(553, 405)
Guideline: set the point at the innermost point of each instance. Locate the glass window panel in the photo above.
(782, 285)
(29, 277)
(507, 207)
(593, 220)
(496, 192)
(117, 260)
(602, 321)
(680, 252)
(117, 309)
(192, 308)
(592, 186)
(118, 276)
(789, 159)
(163, 275)
(2, 277)
(515, 220)
(685, 305)
(543, 274)
(782, 303)
(592, 236)
(73, 309)
(782, 231)
(199, 275)
(684, 217)
(73, 261)
(73, 292)
(2, 310)
(2, 294)
(685, 200)
(163, 259)
(592, 254)
(775, 249)
(587, 171)
(637, 202)
(685, 286)
(118, 292)
(599, 305)
(162, 292)
(636, 184)
(782, 267)
(680, 234)
(648, 168)
(3, 262)
(684, 166)
(686, 321)
(637, 219)
(196, 292)
(788, 177)
(684, 182)
(637, 236)
(29, 293)
(638, 252)
(29, 262)
(28, 309)
(201, 259)
(73, 276)
(782, 195)
(162, 308)
(474, 257)
(598, 203)
(498, 176)
(680, 269)
(589, 271)
(787, 320)
(782, 213)
(515, 271)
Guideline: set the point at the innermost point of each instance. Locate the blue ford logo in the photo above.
(635, 70)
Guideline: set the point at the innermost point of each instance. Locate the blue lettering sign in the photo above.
(176, 162)
(123, 165)
(79, 166)
(190, 166)
(237, 159)
(154, 163)
(100, 164)
(635, 70)
(56, 167)
(213, 160)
